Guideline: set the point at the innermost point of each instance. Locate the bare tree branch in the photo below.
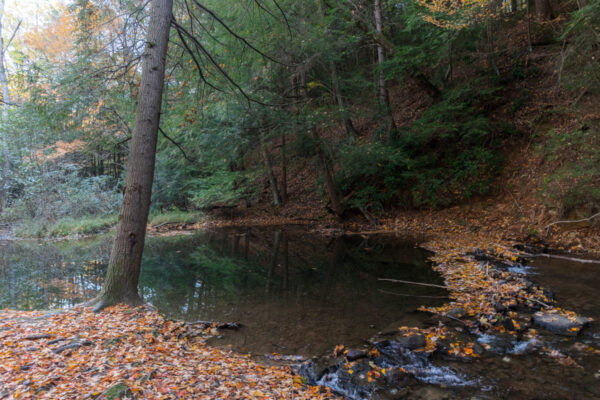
(242, 39)
(12, 36)
(176, 144)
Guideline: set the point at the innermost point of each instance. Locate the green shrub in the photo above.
(580, 67)
(451, 153)
(576, 183)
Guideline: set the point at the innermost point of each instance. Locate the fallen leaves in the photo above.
(136, 347)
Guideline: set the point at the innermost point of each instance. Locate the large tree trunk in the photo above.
(5, 105)
(336, 204)
(543, 9)
(384, 98)
(269, 169)
(120, 285)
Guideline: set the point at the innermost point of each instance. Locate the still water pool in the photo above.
(294, 292)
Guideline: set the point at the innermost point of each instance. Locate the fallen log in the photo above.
(37, 337)
(72, 346)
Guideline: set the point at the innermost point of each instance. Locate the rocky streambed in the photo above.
(506, 338)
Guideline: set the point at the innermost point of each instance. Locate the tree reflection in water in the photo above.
(294, 292)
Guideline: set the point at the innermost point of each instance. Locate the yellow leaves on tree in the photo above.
(459, 14)
(54, 40)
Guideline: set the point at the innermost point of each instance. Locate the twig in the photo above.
(368, 215)
(412, 283)
(539, 302)
(579, 260)
(456, 319)
(516, 202)
(584, 91)
(12, 36)
(412, 295)
(176, 144)
(571, 222)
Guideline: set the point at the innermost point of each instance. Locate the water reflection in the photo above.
(39, 275)
(295, 293)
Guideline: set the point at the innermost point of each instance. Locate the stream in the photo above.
(298, 295)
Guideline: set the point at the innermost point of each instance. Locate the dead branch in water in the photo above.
(579, 260)
(571, 222)
(412, 283)
(412, 295)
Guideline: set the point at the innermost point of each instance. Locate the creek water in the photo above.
(298, 293)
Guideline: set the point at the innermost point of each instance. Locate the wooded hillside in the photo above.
(361, 107)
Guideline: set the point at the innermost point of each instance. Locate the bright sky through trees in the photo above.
(32, 12)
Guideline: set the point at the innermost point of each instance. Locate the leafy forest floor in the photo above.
(128, 353)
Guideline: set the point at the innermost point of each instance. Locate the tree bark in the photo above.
(350, 130)
(543, 9)
(332, 193)
(269, 168)
(120, 285)
(384, 97)
(5, 105)
(284, 184)
(514, 5)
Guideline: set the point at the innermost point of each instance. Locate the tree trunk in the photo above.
(5, 105)
(269, 168)
(543, 9)
(284, 192)
(336, 205)
(514, 5)
(350, 131)
(384, 97)
(124, 266)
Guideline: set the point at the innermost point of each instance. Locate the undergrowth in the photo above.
(575, 183)
(450, 153)
(65, 227)
(88, 225)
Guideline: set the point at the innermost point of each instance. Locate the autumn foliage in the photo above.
(79, 355)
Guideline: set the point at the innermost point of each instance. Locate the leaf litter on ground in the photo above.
(153, 357)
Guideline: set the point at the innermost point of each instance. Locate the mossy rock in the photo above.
(118, 391)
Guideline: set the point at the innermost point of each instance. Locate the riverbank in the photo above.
(132, 353)
(490, 296)
(482, 253)
(73, 228)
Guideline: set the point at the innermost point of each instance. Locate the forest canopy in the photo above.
(370, 105)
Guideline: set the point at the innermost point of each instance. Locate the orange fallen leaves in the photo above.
(137, 347)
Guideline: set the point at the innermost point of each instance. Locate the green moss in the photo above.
(94, 224)
(118, 391)
(65, 227)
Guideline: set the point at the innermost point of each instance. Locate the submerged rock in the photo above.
(411, 342)
(559, 324)
(353, 354)
(314, 369)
